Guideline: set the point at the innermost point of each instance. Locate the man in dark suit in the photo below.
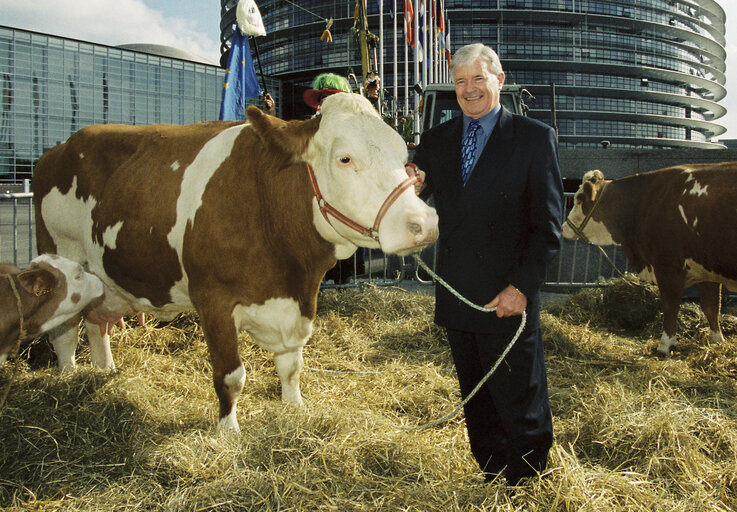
(498, 232)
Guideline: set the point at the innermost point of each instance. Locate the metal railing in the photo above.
(577, 265)
(17, 227)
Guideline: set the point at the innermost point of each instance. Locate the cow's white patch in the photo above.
(81, 156)
(595, 231)
(697, 273)
(100, 354)
(647, 274)
(228, 423)
(698, 190)
(69, 220)
(666, 344)
(276, 325)
(175, 165)
(110, 235)
(289, 366)
(234, 381)
(64, 339)
(3, 358)
(683, 214)
(194, 184)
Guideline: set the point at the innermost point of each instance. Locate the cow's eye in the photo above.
(345, 160)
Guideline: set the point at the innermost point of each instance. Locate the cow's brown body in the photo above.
(677, 226)
(221, 218)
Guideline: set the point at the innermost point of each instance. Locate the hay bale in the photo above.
(629, 304)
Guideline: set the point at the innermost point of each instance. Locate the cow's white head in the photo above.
(582, 215)
(358, 161)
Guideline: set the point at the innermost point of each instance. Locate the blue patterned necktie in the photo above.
(468, 150)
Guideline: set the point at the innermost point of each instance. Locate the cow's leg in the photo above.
(100, 354)
(64, 338)
(671, 290)
(228, 373)
(288, 367)
(711, 297)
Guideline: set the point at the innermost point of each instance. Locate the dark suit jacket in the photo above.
(503, 227)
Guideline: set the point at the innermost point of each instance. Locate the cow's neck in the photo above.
(619, 212)
(302, 235)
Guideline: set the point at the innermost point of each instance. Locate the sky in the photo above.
(194, 25)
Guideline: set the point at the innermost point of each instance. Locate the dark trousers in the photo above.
(509, 422)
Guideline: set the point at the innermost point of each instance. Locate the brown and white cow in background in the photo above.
(46, 294)
(677, 226)
(222, 218)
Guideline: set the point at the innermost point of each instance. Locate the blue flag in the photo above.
(240, 79)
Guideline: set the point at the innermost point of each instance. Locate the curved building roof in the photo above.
(166, 51)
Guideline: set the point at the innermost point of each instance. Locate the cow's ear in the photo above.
(595, 176)
(37, 281)
(289, 137)
(589, 192)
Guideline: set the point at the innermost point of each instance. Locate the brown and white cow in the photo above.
(46, 294)
(222, 218)
(677, 226)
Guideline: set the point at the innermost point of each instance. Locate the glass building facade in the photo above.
(635, 73)
(52, 87)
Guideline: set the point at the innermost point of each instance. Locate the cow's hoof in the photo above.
(228, 425)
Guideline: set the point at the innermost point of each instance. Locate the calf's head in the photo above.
(583, 218)
(358, 161)
(50, 291)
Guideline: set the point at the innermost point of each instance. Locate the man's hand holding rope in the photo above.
(509, 302)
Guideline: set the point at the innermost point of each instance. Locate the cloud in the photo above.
(111, 22)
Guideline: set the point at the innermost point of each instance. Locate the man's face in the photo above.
(477, 88)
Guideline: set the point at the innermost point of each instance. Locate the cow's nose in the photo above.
(423, 228)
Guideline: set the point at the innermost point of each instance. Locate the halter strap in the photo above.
(21, 327)
(579, 229)
(372, 232)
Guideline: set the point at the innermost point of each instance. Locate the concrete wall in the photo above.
(616, 163)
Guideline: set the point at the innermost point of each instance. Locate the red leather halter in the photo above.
(372, 232)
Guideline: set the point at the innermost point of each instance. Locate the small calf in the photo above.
(49, 292)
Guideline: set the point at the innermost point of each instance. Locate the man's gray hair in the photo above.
(467, 54)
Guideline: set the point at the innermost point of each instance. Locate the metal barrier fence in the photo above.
(17, 228)
(577, 265)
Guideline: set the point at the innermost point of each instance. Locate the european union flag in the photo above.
(240, 79)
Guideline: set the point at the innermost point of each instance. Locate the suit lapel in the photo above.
(451, 174)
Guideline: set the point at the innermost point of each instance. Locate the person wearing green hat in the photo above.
(323, 86)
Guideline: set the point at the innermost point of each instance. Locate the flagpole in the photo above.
(395, 69)
(416, 105)
(431, 38)
(260, 69)
(381, 55)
